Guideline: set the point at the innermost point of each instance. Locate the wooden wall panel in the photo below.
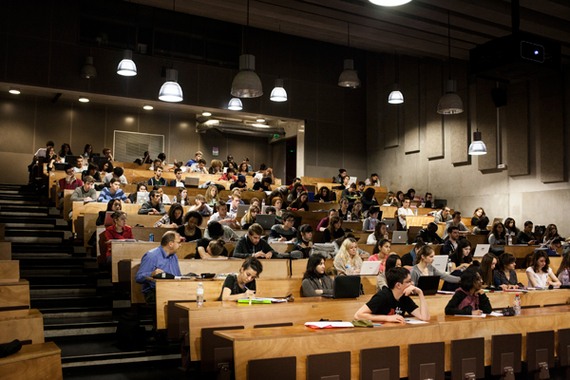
(373, 123)
(434, 121)
(486, 123)
(457, 126)
(517, 129)
(409, 81)
(551, 129)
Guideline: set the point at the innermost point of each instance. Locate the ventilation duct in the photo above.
(258, 130)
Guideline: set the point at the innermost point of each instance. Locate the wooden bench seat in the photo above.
(33, 361)
(9, 271)
(14, 295)
(24, 325)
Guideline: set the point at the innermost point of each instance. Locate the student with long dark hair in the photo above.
(469, 298)
(334, 230)
(498, 236)
(242, 285)
(462, 257)
(392, 261)
(315, 282)
(539, 274)
(368, 199)
(505, 274)
(324, 195)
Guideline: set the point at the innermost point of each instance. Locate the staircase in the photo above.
(76, 297)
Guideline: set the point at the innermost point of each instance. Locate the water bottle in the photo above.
(510, 240)
(449, 266)
(348, 270)
(565, 277)
(416, 211)
(200, 295)
(517, 304)
(262, 203)
(151, 237)
(348, 215)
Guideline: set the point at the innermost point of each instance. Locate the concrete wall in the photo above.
(533, 145)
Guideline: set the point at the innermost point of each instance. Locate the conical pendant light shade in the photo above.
(88, 71)
(477, 147)
(278, 94)
(127, 67)
(349, 77)
(450, 103)
(246, 83)
(171, 91)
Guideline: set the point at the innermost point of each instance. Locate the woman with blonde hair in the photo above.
(347, 261)
(249, 217)
(216, 167)
(212, 195)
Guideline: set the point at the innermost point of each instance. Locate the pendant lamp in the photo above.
(127, 67)
(278, 94)
(396, 96)
(235, 104)
(349, 77)
(477, 146)
(171, 91)
(450, 103)
(88, 71)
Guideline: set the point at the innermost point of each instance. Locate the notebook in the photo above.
(428, 284)
(370, 268)
(400, 237)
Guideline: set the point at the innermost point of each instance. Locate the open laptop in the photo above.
(242, 209)
(440, 262)
(400, 237)
(428, 284)
(265, 221)
(370, 268)
(346, 287)
(481, 250)
(389, 222)
(191, 181)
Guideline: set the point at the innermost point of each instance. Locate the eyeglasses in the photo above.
(70, 172)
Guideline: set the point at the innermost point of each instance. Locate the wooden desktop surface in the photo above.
(301, 341)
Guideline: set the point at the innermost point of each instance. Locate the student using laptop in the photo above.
(315, 282)
(249, 217)
(284, 232)
(423, 267)
(469, 298)
(392, 302)
(347, 261)
(462, 257)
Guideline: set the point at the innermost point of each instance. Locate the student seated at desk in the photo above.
(551, 233)
(211, 249)
(498, 236)
(304, 244)
(324, 223)
(178, 182)
(201, 206)
(392, 261)
(539, 274)
(263, 185)
(249, 218)
(199, 167)
(164, 197)
(324, 195)
(234, 202)
(315, 282)
(212, 194)
(158, 260)
(451, 241)
(117, 172)
(368, 200)
(216, 230)
(239, 184)
(392, 302)
(344, 183)
(334, 230)
(372, 180)
(565, 263)
(390, 200)
(189, 230)
(153, 206)
(182, 197)
(343, 210)
(462, 256)
(488, 264)
(300, 204)
(370, 223)
(228, 176)
(380, 232)
(85, 193)
(511, 227)
(551, 248)
(423, 267)
(173, 218)
(295, 192)
(284, 232)
(443, 215)
(114, 191)
(347, 261)
(469, 298)
(223, 217)
(356, 214)
(349, 192)
(118, 231)
(456, 221)
(141, 188)
(381, 252)
(69, 182)
(251, 244)
(429, 234)
(526, 236)
(404, 212)
(92, 171)
(505, 275)
(157, 180)
(112, 205)
(242, 285)
(409, 258)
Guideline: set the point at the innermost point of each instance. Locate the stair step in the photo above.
(32, 239)
(78, 314)
(40, 226)
(37, 293)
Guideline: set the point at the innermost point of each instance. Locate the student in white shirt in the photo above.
(223, 217)
(178, 182)
(199, 167)
(404, 211)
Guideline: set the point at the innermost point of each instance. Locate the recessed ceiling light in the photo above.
(206, 113)
(14, 90)
(83, 99)
(148, 107)
(260, 120)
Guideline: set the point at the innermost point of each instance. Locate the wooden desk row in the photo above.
(224, 314)
(300, 341)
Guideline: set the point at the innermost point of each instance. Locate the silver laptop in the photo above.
(191, 181)
(370, 268)
(400, 237)
(481, 250)
(242, 209)
(440, 262)
(265, 221)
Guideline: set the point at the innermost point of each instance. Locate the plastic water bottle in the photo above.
(565, 277)
(517, 304)
(348, 270)
(510, 240)
(348, 215)
(262, 203)
(416, 211)
(200, 295)
(449, 266)
(151, 237)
